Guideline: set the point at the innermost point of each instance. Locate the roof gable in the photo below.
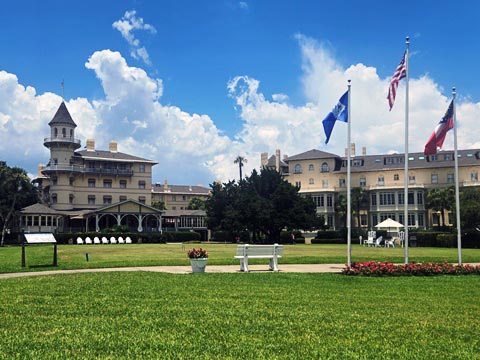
(311, 155)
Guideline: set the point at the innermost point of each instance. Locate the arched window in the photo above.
(311, 181)
(71, 133)
(64, 132)
(298, 169)
(311, 167)
(55, 132)
(324, 167)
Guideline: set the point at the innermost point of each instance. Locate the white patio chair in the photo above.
(79, 241)
(88, 241)
(120, 240)
(128, 240)
(104, 240)
(390, 242)
(113, 240)
(378, 242)
(96, 240)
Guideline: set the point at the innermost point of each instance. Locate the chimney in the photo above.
(165, 184)
(346, 152)
(113, 146)
(352, 146)
(364, 150)
(90, 145)
(40, 168)
(277, 160)
(264, 159)
(285, 156)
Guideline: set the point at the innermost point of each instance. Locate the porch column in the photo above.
(97, 228)
(119, 220)
(159, 219)
(140, 219)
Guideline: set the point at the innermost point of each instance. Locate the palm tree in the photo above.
(240, 160)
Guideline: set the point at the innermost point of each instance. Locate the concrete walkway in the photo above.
(287, 268)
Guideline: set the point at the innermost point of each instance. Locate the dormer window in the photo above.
(324, 167)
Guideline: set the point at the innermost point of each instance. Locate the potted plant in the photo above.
(198, 259)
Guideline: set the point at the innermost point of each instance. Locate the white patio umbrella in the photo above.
(389, 224)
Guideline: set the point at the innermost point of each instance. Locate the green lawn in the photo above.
(73, 256)
(139, 315)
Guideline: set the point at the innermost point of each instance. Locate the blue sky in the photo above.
(192, 51)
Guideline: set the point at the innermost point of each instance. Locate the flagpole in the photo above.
(349, 206)
(457, 194)
(405, 199)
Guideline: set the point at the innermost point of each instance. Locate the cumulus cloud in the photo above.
(126, 26)
(191, 149)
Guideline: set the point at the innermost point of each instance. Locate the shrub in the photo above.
(222, 236)
(329, 241)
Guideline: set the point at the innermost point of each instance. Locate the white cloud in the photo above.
(243, 5)
(191, 149)
(126, 26)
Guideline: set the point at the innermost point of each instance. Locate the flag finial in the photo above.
(63, 89)
(454, 91)
(407, 40)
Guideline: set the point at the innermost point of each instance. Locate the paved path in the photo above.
(290, 268)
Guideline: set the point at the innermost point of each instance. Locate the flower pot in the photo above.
(198, 265)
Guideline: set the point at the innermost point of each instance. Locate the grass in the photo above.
(100, 256)
(239, 316)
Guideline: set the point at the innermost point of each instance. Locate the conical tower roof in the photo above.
(62, 116)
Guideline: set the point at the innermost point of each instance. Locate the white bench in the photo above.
(272, 252)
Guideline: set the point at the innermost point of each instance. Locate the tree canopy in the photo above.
(263, 202)
(16, 192)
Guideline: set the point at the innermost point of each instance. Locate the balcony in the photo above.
(48, 141)
(86, 170)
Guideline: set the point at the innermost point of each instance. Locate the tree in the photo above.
(16, 192)
(470, 208)
(359, 199)
(341, 209)
(263, 203)
(196, 204)
(160, 205)
(240, 160)
(441, 200)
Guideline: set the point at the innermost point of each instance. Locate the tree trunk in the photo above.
(7, 219)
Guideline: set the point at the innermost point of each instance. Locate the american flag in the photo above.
(400, 73)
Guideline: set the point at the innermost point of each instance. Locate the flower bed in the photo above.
(372, 268)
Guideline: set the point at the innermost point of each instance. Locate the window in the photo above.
(450, 178)
(363, 220)
(184, 197)
(357, 162)
(54, 198)
(91, 183)
(434, 179)
(318, 200)
(91, 199)
(410, 198)
(91, 165)
(341, 182)
(311, 167)
(311, 181)
(329, 200)
(71, 133)
(401, 198)
(421, 222)
(387, 198)
(381, 180)
(411, 219)
(174, 197)
(55, 132)
(54, 180)
(363, 182)
(298, 169)
(55, 161)
(325, 184)
(141, 184)
(298, 184)
(324, 167)
(123, 184)
(474, 176)
(174, 208)
(396, 177)
(411, 179)
(141, 200)
(374, 219)
(71, 181)
(107, 183)
(330, 220)
(70, 198)
(448, 157)
(64, 132)
(385, 216)
(374, 200)
(107, 199)
(141, 168)
(420, 198)
(434, 158)
(123, 198)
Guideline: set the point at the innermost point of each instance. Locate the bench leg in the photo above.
(273, 264)
(244, 264)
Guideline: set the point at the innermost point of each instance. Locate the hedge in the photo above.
(329, 241)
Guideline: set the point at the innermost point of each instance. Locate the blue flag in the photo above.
(339, 112)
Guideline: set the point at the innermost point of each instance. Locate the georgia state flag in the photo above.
(438, 137)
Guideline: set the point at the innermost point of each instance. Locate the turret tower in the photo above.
(61, 169)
